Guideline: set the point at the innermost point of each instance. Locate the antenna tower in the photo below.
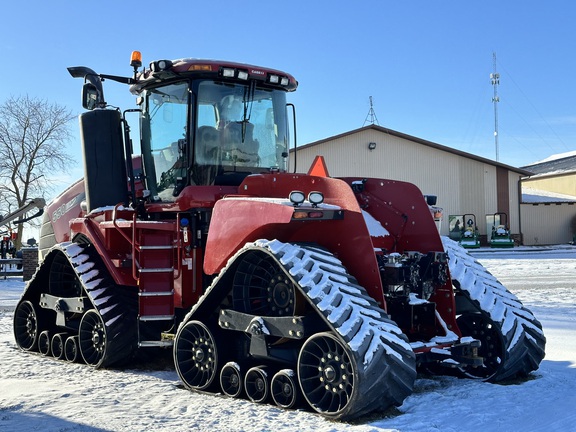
(495, 79)
(371, 117)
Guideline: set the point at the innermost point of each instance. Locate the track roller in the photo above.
(284, 389)
(71, 351)
(44, 343)
(256, 384)
(57, 345)
(231, 380)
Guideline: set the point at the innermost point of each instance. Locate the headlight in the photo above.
(297, 197)
(228, 73)
(316, 198)
(160, 65)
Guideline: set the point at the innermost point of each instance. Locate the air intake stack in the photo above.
(105, 176)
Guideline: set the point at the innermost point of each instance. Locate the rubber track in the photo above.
(524, 339)
(385, 360)
(116, 304)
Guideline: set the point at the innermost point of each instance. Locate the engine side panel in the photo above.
(58, 214)
(402, 211)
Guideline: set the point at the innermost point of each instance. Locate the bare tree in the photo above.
(33, 137)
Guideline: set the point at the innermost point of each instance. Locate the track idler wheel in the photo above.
(231, 380)
(327, 374)
(284, 389)
(71, 351)
(196, 355)
(57, 345)
(92, 338)
(26, 326)
(256, 384)
(44, 343)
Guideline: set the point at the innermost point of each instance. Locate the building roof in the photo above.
(419, 141)
(554, 165)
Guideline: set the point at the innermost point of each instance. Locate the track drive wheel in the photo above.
(196, 355)
(26, 326)
(491, 344)
(63, 281)
(92, 338)
(327, 374)
(262, 288)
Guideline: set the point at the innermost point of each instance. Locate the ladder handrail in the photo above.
(137, 248)
(131, 241)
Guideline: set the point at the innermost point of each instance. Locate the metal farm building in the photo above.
(463, 182)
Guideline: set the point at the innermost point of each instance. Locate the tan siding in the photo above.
(559, 184)
(463, 185)
(547, 224)
(490, 194)
(471, 188)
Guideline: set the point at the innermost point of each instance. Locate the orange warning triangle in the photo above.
(318, 167)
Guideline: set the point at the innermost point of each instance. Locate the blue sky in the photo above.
(426, 64)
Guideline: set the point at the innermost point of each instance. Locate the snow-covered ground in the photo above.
(38, 393)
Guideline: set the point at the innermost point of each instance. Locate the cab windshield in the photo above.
(211, 133)
(240, 130)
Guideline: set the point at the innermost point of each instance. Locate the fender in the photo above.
(237, 220)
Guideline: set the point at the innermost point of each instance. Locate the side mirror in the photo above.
(92, 92)
(431, 199)
(90, 96)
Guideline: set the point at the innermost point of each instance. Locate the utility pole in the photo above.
(371, 117)
(495, 79)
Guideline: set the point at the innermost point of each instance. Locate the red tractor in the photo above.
(305, 290)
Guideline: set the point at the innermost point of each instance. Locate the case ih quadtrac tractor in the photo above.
(298, 289)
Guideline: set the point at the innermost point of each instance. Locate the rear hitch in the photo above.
(461, 354)
(466, 352)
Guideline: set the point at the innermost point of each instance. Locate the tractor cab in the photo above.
(211, 129)
(202, 123)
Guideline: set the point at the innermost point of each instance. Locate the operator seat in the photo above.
(207, 156)
(207, 145)
(239, 147)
